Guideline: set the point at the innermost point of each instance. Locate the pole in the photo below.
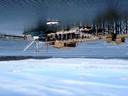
(37, 48)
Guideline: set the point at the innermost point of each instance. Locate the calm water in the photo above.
(84, 49)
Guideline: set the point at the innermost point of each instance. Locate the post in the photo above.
(96, 30)
(37, 48)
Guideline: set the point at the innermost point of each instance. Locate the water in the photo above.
(10, 47)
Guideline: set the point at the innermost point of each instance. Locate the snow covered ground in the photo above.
(64, 77)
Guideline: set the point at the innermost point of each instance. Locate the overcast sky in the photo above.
(16, 15)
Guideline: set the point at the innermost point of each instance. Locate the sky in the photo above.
(17, 15)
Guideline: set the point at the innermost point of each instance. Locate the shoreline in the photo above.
(15, 58)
